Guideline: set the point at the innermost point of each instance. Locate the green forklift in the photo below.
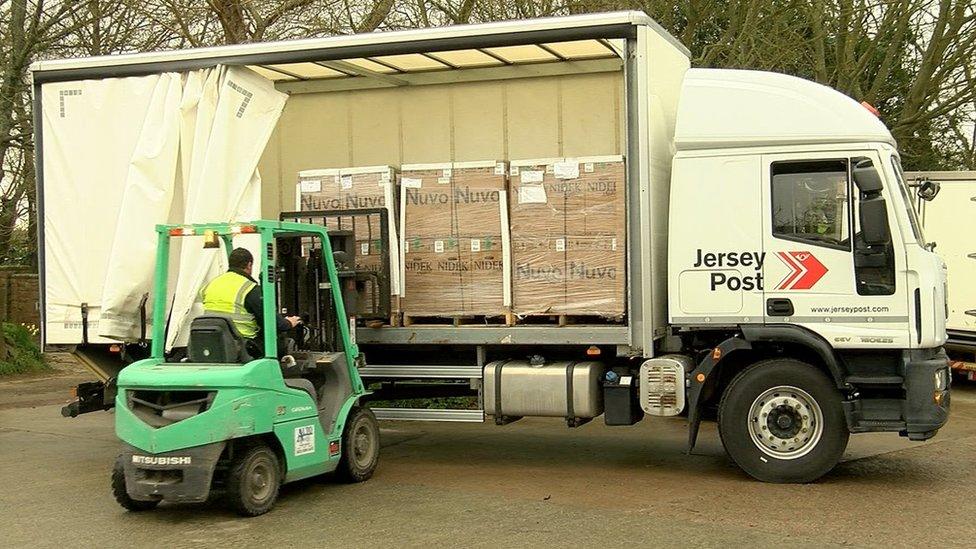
(233, 419)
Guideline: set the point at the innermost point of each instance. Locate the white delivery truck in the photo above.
(949, 220)
(774, 271)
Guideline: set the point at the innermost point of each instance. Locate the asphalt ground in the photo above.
(531, 483)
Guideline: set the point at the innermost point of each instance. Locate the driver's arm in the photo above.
(254, 304)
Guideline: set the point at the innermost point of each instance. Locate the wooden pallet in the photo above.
(394, 321)
(506, 319)
(568, 320)
(509, 319)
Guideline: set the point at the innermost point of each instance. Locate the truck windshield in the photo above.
(906, 199)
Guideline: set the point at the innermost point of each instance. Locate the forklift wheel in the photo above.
(360, 446)
(121, 496)
(253, 481)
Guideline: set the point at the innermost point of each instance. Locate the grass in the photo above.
(440, 403)
(22, 354)
(435, 403)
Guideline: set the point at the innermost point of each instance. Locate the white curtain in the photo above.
(230, 114)
(205, 134)
(146, 201)
(98, 134)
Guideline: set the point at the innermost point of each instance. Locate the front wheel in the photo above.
(253, 481)
(360, 446)
(122, 496)
(781, 420)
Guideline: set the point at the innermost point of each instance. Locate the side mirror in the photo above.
(874, 221)
(866, 176)
(928, 189)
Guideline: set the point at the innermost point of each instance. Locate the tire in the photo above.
(360, 446)
(122, 496)
(794, 440)
(253, 481)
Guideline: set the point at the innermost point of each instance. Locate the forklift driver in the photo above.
(237, 294)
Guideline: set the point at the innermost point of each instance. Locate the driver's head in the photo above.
(241, 260)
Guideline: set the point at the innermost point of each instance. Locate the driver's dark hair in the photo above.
(239, 258)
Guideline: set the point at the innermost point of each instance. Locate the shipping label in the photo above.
(304, 440)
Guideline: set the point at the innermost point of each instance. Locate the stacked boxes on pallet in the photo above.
(567, 236)
(453, 224)
(357, 188)
(553, 245)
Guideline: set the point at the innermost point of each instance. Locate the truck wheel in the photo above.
(122, 496)
(253, 481)
(360, 446)
(781, 420)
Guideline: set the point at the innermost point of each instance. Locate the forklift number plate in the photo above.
(304, 440)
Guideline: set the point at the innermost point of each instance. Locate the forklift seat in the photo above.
(215, 339)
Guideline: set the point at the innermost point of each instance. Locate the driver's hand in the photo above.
(294, 320)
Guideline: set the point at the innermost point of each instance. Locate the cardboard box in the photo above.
(337, 189)
(568, 235)
(576, 275)
(453, 219)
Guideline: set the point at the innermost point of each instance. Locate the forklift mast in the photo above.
(270, 232)
(360, 243)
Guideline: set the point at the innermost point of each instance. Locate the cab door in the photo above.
(818, 272)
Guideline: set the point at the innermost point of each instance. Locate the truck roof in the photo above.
(722, 108)
(303, 59)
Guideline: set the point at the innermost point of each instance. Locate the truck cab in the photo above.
(812, 248)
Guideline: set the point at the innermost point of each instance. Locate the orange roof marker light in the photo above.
(234, 229)
(871, 108)
(243, 229)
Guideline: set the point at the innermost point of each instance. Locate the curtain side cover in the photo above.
(124, 154)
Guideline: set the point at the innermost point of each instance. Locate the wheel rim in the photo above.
(363, 444)
(785, 422)
(261, 478)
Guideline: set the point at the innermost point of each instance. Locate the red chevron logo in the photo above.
(805, 270)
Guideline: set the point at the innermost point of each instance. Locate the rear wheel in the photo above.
(360, 446)
(122, 496)
(253, 481)
(781, 420)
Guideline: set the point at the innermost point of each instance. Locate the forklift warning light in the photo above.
(211, 239)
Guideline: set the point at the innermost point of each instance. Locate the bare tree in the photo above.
(29, 29)
(25, 30)
(914, 60)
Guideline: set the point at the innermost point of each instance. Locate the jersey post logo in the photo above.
(805, 270)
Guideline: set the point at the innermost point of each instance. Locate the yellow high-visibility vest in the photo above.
(225, 294)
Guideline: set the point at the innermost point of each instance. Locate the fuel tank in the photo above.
(556, 389)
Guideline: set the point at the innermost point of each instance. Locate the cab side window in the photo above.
(811, 202)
